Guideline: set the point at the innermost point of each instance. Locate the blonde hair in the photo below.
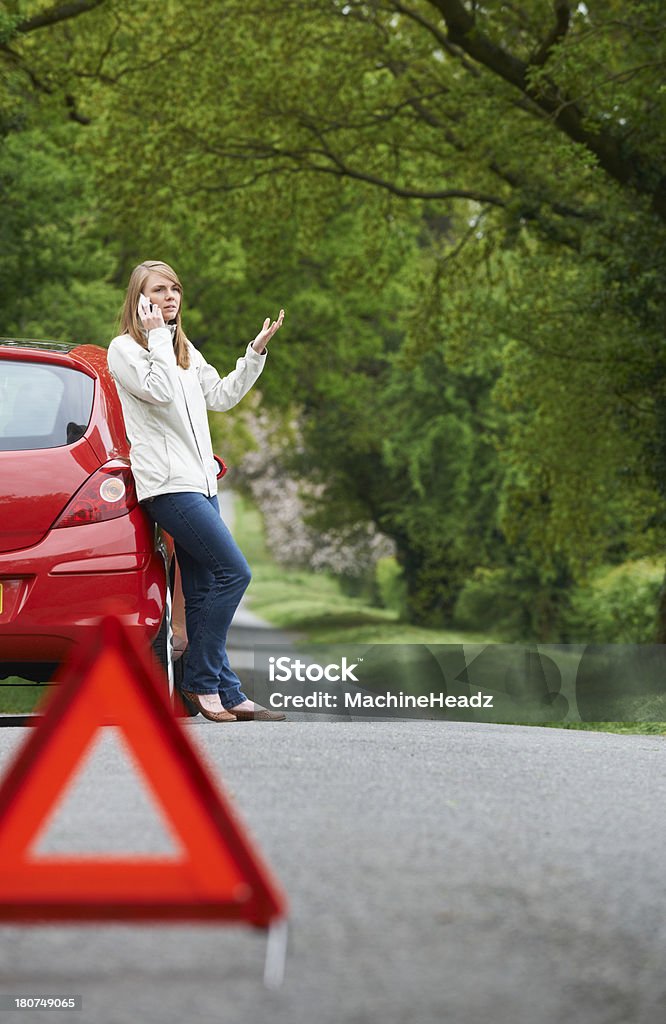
(129, 323)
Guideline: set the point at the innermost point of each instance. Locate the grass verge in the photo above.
(19, 696)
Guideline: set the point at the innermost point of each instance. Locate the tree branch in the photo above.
(343, 171)
(558, 32)
(626, 167)
(516, 182)
(61, 12)
(440, 37)
(73, 112)
(307, 159)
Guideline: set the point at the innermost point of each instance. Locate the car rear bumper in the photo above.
(57, 591)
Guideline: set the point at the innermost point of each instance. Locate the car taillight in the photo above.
(107, 494)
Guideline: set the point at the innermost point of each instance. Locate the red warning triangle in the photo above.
(219, 875)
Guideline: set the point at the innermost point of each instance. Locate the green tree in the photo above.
(514, 153)
(55, 266)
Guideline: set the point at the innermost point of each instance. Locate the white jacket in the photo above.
(164, 407)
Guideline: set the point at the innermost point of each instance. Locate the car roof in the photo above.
(39, 345)
(89, 358)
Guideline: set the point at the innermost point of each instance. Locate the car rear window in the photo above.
(42, 405)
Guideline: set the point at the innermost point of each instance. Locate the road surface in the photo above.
(436, 872)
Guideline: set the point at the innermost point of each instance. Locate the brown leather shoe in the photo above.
(213, 716)
(260, 716)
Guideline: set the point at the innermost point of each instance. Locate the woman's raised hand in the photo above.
(266, 333)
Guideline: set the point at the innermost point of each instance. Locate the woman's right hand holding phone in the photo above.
(150, 315)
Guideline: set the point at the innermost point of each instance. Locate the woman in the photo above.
(165, 387)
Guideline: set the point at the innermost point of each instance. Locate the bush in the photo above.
(494, 600)
(617, 605)
(390, 584)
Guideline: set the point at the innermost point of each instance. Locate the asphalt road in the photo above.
(436, 872)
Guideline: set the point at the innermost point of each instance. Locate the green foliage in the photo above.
(54, 265)
(8, 24)
(617, 605)
(575, 400)
(515, 602)
(391, 589)
(493, 600)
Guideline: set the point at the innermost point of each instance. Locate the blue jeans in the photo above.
(215, 576)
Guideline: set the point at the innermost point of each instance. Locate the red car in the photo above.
(74, 543)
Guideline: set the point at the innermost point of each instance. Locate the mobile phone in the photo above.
(144, 308)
